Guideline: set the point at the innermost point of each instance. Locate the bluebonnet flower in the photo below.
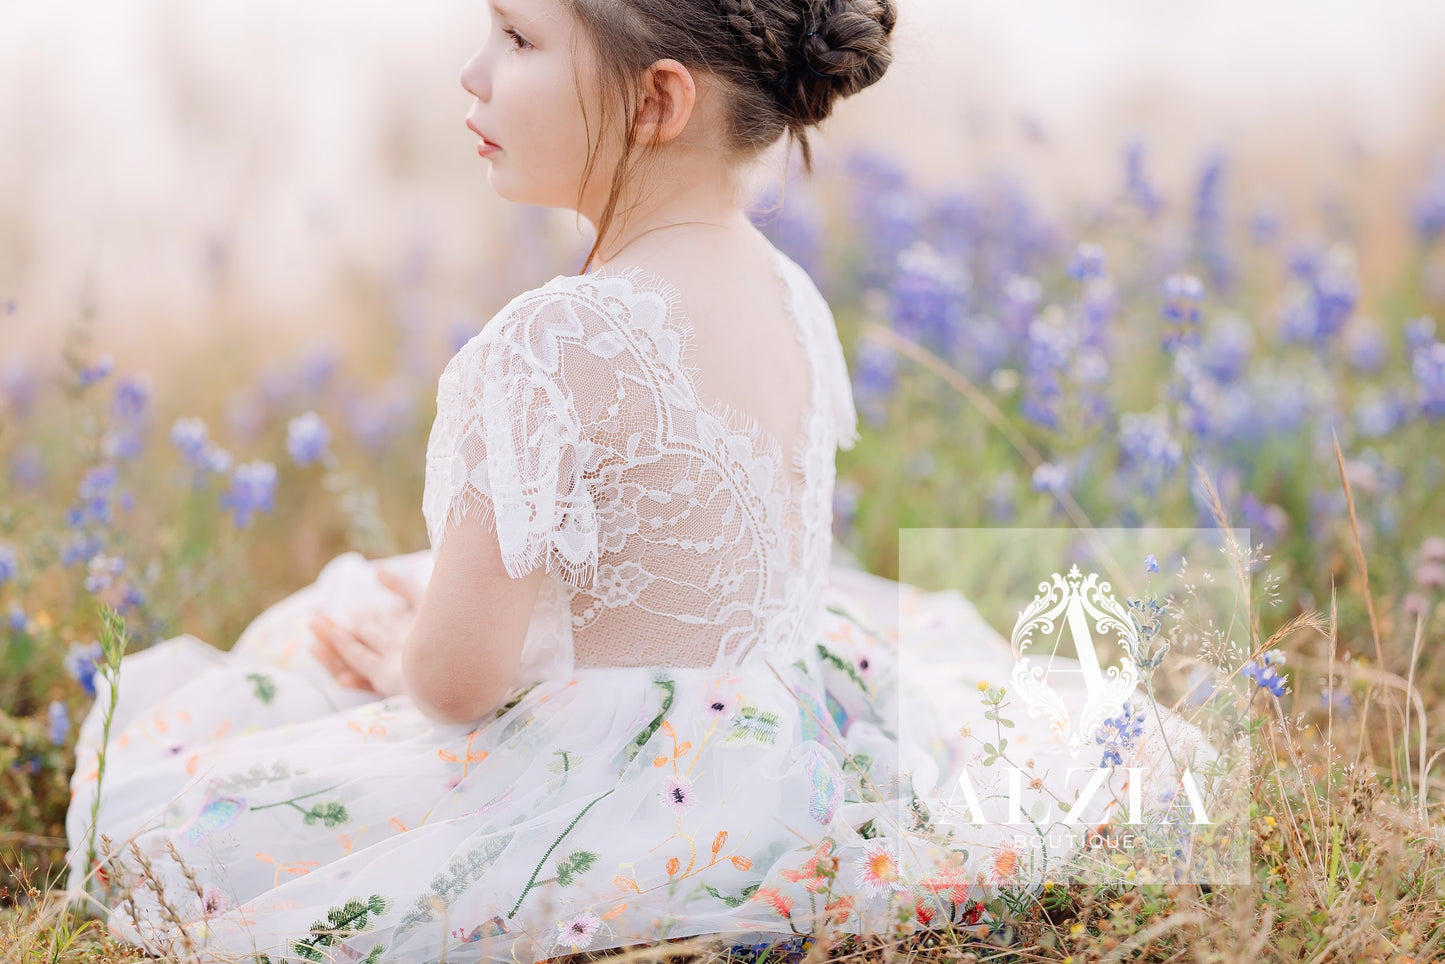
(378, 418)
(1264, 673)
(1209, 222)
(1428, 366)
(104, 570)
(81, 662)
(1148, 448)
(1200, 687)
(94, 373)
(1137, 184)
(1001, 496)
(1050, 477)
(874, 379)
(1087, 262)
(253, 486)
(59, 722)
(307, 438)
(1269, 520)
(1429, 204)
(27, 466)
(80, 547)
(1022, 295)
(1151, 564)
(1419, 332)
(1226, 348)
(1366, 347)
(1182, 297)
(16, 619)
(316, 369)
(1336, 698)
(189, 435)
(1318, 308)
(9, 563)
(794, 222)
(94, 494)
(1119, 734)
(846, 495)
(132, 395)
(1378, 412)
(1052, 342)
(926, 299)
(18, 385)
(1264, 225)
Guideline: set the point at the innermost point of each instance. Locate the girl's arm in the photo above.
(461, 655)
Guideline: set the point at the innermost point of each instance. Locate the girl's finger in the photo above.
(400, 585)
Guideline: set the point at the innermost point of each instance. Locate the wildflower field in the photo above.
(1151, 360)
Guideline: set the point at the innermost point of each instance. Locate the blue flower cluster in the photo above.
(1264, 673)
(1119, 733)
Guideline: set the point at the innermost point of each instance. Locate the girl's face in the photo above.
(527, 102)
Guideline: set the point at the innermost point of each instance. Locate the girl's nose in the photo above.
(473, 76)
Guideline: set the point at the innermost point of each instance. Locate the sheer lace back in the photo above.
(671, 525)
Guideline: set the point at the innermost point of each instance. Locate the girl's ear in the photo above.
(666, 103)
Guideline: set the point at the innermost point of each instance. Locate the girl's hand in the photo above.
(368, 657)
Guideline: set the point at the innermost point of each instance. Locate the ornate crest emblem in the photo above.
(1073, 604)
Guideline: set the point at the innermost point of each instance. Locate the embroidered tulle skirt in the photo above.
(255, 807)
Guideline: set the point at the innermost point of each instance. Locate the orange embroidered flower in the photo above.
(838, 910)
(808, 873)
(949, 883)
(780, 902)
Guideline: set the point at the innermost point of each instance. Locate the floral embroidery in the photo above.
(878, 869)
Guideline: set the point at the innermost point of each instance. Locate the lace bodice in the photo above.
(670, 530)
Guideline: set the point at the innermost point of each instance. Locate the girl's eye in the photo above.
(518, 41)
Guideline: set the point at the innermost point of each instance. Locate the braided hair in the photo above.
(782, 64)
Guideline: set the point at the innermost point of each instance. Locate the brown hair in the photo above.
(781, 63)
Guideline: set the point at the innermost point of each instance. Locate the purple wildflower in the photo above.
(307, 438)
(253, 486)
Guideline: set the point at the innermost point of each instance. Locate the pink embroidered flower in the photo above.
(678, 794)
(580, 930)
(721, 705)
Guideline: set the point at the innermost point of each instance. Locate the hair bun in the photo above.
(844, 47)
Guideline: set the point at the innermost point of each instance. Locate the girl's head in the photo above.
(567, 88)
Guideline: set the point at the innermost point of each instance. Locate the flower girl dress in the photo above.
(709, 732)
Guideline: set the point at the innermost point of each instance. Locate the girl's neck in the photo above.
(669, 225)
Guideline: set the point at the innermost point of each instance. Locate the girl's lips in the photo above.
(485, 147)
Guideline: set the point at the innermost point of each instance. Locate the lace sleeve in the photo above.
(508, 446)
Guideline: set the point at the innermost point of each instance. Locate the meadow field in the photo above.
(1171, 339)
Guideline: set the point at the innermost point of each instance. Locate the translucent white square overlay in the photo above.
(1066, 627)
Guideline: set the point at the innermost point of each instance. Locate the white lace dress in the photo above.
(703, 737)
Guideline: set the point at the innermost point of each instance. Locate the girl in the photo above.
(623, 696)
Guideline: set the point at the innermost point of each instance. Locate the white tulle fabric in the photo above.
(573, 426)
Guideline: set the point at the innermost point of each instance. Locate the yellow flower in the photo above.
(1269, 820)
(982, 685)
(42, 620)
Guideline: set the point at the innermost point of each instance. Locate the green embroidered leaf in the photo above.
(341, 922)
(375, 955)
(731, 901)
(577, 862)
(867, 830)
(561, 765)
(332, 814)
(670, 689)
(844, 666)
(753, 725)
(265, 686)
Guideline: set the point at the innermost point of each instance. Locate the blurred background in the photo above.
(178, 168)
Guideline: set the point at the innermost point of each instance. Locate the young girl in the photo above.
(624, 696)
